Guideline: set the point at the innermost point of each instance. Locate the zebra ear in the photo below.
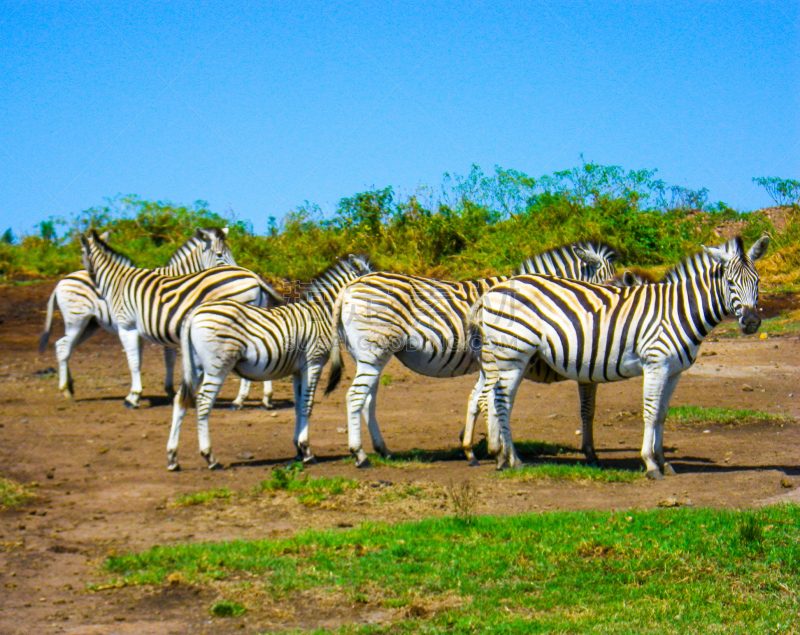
(225, 231)
(593, 260)
(718, 254)
(87, 263)
(205, 236)
(628, 279)
(758, 249)
(104, 236)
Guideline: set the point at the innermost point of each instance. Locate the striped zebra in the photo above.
(259, 344)
(541, 373)
(148, 304)
(84, 310)
(421, 321)
(595, 334)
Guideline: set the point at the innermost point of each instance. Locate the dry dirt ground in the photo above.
(103, 486)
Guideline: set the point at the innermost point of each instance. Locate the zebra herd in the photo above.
(564, 314)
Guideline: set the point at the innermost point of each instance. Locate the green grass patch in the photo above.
(724, 416)
(659, 571)
(13, 494)
(309, 490)
(577, 473)
(227, 608)
(201, 498)
(386, 379)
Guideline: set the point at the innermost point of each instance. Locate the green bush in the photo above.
(473, 226)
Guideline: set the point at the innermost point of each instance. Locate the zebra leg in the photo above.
(473, 410)
(365, 381)
(244, 390)
(206, 396)
(170, 355)
(308, 380)
(657, 391)
(64, 347)
(588, 394)
(178, 413)
(133, 346)
(658, 445)
(266, 400)
(371, 405)
(505, 390)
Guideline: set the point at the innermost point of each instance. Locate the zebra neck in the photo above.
(701, 302)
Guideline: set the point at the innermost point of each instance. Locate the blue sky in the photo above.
(257, 108)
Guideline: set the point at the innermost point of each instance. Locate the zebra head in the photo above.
(215, 251)
(598, 261)
(588, 261)
(741, 279)
(95, 253)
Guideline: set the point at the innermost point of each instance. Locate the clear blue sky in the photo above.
(259, 108)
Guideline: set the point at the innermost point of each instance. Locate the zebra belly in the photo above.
(428, 361)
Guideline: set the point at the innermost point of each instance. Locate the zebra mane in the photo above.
(107, 251)
(549, 261)
(195, 243)
(699, 263)
(336, 275)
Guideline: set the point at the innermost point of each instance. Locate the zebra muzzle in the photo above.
(750, 320)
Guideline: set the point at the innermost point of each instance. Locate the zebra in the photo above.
(595, 334)
(541, 373)
(84, 310)
(148, 304)
(261, 344)
(421, 322)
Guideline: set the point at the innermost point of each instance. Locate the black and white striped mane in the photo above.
(336, 276)
(110, 253)
(700, 263)
(554, 260)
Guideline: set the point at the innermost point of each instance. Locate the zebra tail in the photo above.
(48, 323)
(337, 363)
(190, 370)
(473, 325)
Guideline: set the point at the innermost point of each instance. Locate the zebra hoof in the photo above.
(669, 470)
(236, 406)
(363, 464)
(309, 460)
(172, 461)
(266, 405)
(174, 467)
(215, 466)
(655, 475)
(473, 462)
(130, 405)
(68, 394)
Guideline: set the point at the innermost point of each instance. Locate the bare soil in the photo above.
(102, 486)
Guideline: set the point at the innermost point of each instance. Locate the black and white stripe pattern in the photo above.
(595, 334)
(421, 321)
(541, 373)
(259, 344)
(84, 310)
(147, 304)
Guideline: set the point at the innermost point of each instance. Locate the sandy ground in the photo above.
(103, 486)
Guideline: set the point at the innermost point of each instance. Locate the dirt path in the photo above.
(103, 486)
